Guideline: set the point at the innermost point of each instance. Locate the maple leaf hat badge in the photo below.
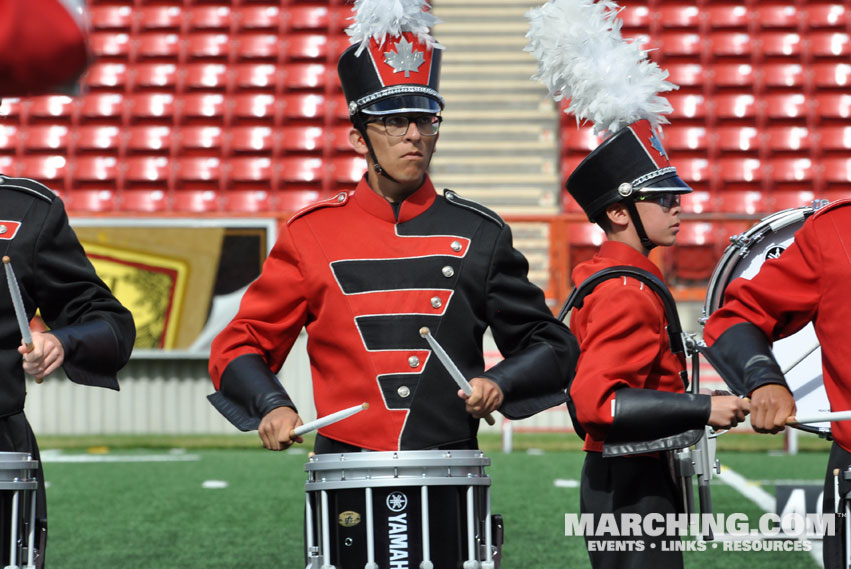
(393, 64)
(608, 81)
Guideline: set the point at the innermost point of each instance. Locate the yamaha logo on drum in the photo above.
(774, 252)
(397, 501)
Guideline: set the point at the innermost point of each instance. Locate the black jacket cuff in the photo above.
(742, 356)
(647, 414)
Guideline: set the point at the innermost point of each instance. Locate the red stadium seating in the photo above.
(679, 44)
(832, 75)
(340, 138)
(686, 74)
(248, 201)
(95, 172)
(207, 108)
(780, 44)
(111, 17)
(685, 15)
(829, 44)
(734, 106)
(798, 170)
(687, 105)
(738, 75)
(776, 14)
(835, 138)
(206, 46)
(213, 17)
(10, 137)
(106, 75)
(348, 169)
(730, 44)
(146, 171)
(101, 107)
(252, 140)
(205, 77)
(304, 106)
(259, 46)
(254, 107)
(826, 15)
(742, 202)
(196, 201)
(255, 77)
(92, 200)
(782, 75)
(789, 138)
(154, 76)
(256, 17)
(579, 140)
(781, 200)
(147, 201)
(739, 170)
(198, 172)
(204, 140)
(96, 138)
(698, 202)
(635, 16)
(110, 45)
(8, 165)
(695, 255)
(837, 170)
(304, 138)
(301, 169)
(10, 110)
(53, 138)
(50, 108)
(786, 105)
(306, 16)
(251, 172)
(685, 139)
(163, 46)
(737, 139)
(584, 239)
(160, 17)
(722, 15)
(833, 105)
(306, 75)
(295, 200)
(307, 46)
(158, 107)
(149, 139)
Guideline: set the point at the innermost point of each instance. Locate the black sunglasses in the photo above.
(666, 200)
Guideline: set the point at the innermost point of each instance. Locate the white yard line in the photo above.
(58, 456)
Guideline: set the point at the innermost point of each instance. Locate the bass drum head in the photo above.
(799, 353)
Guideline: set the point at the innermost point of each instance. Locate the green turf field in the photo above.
(157, 514)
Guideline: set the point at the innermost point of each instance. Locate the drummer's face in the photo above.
(661, 223)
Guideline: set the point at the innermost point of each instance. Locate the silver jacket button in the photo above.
(3, 229)
(435, 302)
(447, 271)
(403, 391)
(456, 246)
(413, 361)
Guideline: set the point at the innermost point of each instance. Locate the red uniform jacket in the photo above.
(810, 281)
(363, 284)
(622, 341)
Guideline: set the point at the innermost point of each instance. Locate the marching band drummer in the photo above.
(364, 271)
(629, 387)
(42, 49)
(808, 282)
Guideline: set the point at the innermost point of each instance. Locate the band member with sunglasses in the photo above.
(629, 388)
(364, 271)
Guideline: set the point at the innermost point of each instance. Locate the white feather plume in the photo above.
(377, 19)
(582, 57)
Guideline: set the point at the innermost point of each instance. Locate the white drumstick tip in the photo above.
(6, 259)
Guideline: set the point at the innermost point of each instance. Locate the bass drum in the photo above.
(799, 355)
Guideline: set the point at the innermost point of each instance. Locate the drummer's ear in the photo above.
(616, 218)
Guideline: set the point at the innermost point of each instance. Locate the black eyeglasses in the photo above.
(666, 200)
(397, 125)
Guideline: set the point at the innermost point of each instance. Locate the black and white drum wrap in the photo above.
(18, 494)
(400, 510)
(799, 355)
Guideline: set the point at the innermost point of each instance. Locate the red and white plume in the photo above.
(583, 58)
(378, 19)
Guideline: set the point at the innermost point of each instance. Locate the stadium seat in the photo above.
(300, 169)
(734, 106)
(776, 14)
(51, 108)
(159, 17)
(110, 45)
(146, 171)
(348, 169)
(158, 107)
(835, 138)
(255, 77)
(307, 46)
(304, 138)
(8, 165)
(739, 75)
(687, 105)
(831, 75)
(106, 75)
(9, 138)
(833, 105)
(143, 201)
(255, 17)
(739, 170)
(791, 170)
(782, 75)
(206, 46)
(295, 200)
(686, 74)
(259, 46)
(206, 108)
(829, 44)
(684, 138)
(695, 255)
(149, 139)
(742, 202)
(836, 170)
(150, 76)
(305, 76)
(111, 17)
(205, 77)
(198, 172)
(206, 140)
(685, 15)
(678, 44)
(91, 200)
(340, 138)
(786, 105)
(101, 107)
(304, 106)
(730, 44)
(338, 107)
(826, 15)
(247, 201)
(788, 138)
(212, 17)
(698, 202)
(195, 201)
(53, 138)
(306, 16)
(10, 110)
(577, 140)
(251, 140)
(737, 139)
(254, 107)
(584, 239)
(163, 46)
(95, 172)
(733, 15)
(96, 138)
(251, 172)
(780, 44)
(781, 200)
(635, 16)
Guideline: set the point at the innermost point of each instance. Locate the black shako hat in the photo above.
(400, 75)
(629, 164)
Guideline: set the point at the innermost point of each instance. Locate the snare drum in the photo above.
(18, 486)
(414, 509)
(799, 355)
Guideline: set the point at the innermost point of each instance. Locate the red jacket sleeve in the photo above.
(621, 334)
(273, 311)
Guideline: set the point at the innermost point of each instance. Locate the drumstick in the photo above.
(819, 418)
(451, 367)
(327, 420)
(18, 304)
(802, 358)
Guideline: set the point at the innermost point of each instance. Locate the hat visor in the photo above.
(403, 104)
(670, 185)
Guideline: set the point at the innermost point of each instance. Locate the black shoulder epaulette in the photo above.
(455, 199)
(26, 185)
(340, 199)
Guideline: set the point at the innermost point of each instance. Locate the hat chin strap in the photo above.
(360, 124)
(639, 227)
